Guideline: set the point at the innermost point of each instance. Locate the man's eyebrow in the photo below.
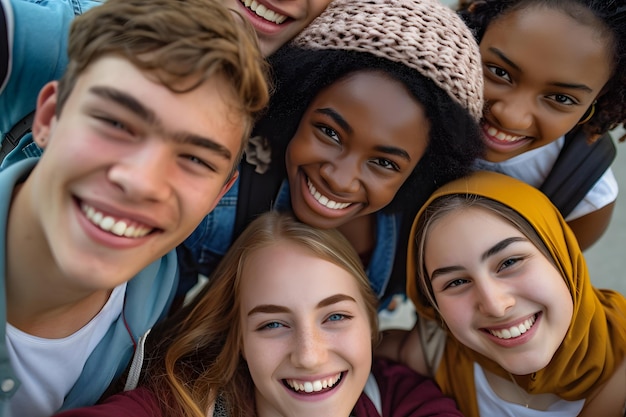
(149, 116)
(556, 84)
(203, 142)
(127, 101)
(336, 117)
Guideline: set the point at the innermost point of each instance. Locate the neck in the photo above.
(510, 391)
(38, 298)
(361, 233)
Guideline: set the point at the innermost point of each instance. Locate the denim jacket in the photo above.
(37, 31)
(206, 246)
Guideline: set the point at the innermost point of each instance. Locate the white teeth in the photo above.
(264, 12)
(109, 224)
(323, 200)
(492, 131)
(514, 331)
(313, 386)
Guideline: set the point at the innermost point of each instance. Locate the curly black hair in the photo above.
(611, 104)
(301, 74)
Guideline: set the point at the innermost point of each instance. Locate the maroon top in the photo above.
(404, 393)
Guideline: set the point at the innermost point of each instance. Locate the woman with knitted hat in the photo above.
(555, 79)
(517, 328)
(375, 106)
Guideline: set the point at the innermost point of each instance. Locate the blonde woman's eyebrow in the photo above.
(273, 308)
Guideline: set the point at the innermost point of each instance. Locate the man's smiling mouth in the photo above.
(115, 226)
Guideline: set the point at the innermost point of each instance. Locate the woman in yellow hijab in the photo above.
(516, 328)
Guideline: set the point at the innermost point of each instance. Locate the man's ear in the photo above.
(225, 189)
(45, 116)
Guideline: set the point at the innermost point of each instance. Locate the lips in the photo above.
(116, 226)
(323, 200)
(263, 12)
(514, 331)
(315, 386)
(495, 134)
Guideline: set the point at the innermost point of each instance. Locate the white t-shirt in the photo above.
(48, 368)
(490, 405)
(533, 168)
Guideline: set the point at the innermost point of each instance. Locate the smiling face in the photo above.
(497, 293)
(129, 170)
(542, 70)
(277, 21)
(356, 145)
(306, 334)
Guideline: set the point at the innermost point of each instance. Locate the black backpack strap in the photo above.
(578, 167)
(16, 133)
(257, 193)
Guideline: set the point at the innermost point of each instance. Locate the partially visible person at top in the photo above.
(509, 323)
(376, 105)
(33, 43)
(284, 328)
(551, 67)
(143, 134)
(276, 22)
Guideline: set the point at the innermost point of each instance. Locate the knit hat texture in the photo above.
(421, 34)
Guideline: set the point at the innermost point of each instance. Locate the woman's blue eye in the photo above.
(336, 317)
(273, 325)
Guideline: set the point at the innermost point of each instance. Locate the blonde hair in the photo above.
(202, 353)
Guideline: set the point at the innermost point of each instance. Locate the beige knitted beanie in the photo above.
(422, 34)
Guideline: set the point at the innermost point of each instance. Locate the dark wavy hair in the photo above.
(609, 19)
(301, 74)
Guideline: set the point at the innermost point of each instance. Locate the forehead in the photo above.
(468, 231)
(211, 109)
(286, 273)
(551, 44)
(375, 105)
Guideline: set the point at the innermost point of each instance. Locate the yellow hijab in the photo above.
(595, 343)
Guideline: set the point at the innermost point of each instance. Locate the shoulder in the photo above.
(610, 398)
(405, 392)
(139, 402)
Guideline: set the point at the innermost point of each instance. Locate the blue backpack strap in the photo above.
(579, 166)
